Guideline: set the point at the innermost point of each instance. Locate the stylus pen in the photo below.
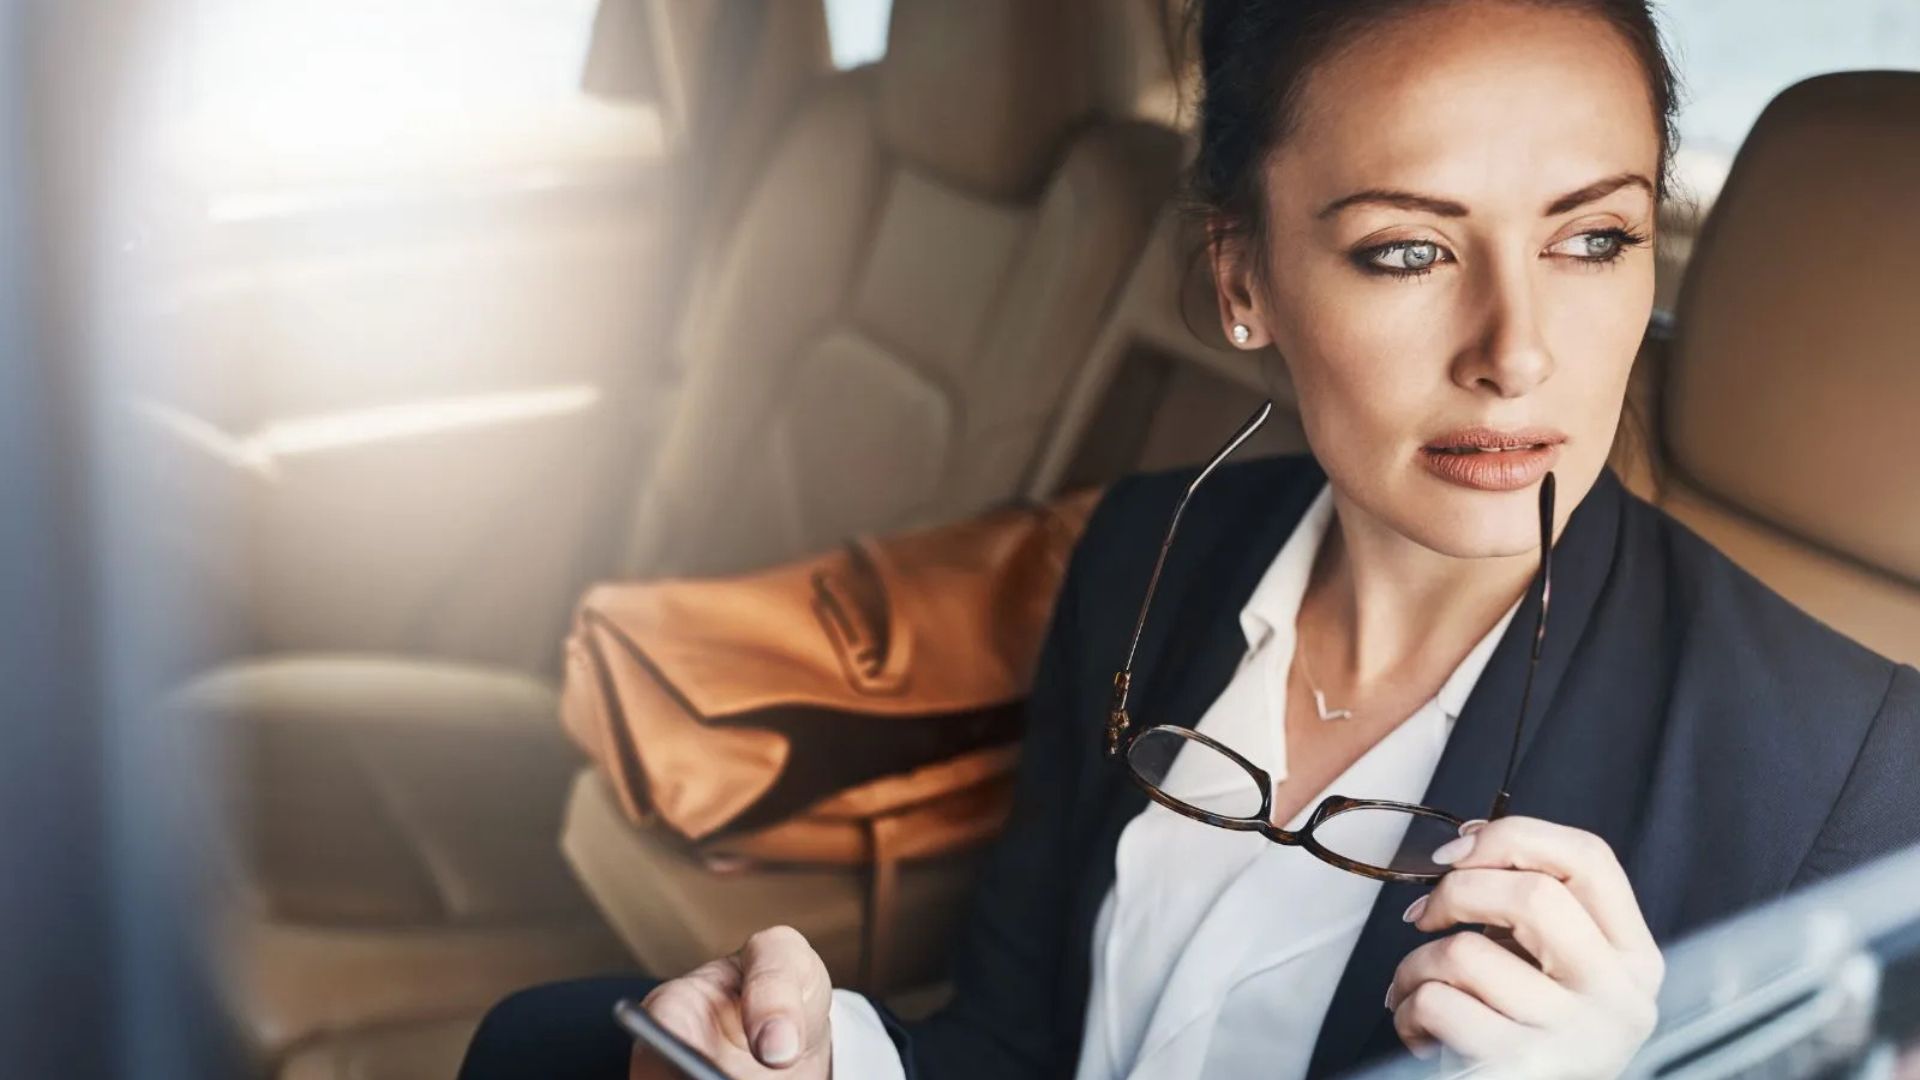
(692, 1063)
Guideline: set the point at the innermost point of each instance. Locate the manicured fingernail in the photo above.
(1415, 910)
(779, 1042)
(1389, 997)
(1453, 851)
(1474, 826)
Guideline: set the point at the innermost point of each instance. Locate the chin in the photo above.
(1464, 523)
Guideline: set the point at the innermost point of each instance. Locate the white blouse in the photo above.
(1216, 953)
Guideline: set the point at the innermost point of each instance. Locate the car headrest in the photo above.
(981, 92)
(1793, 389)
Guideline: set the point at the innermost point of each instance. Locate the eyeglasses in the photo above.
(1200, 778)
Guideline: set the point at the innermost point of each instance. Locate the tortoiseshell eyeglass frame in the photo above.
(1121, 733)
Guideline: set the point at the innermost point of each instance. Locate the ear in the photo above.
(1235, 287)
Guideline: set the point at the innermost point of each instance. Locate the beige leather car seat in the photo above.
(883, 338)
(911, 286)
(888, 340)
(1790, 401)
(385, 838)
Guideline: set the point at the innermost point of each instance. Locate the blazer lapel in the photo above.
(1184, 666)
(1357, 1028)
(1193, 641)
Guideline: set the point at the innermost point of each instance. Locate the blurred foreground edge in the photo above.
(1824, 982)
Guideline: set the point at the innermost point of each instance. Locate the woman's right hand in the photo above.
(761, 1012)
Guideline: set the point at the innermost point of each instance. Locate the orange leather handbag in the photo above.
(857, 708)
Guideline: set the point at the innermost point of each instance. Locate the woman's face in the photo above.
(1459, 260)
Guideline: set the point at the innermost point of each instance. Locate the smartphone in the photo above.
(690, 1063)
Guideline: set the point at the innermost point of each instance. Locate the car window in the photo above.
(1735, 55)
(857, 31)
(295, 90)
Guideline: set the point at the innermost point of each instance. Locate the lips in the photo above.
(1492, 459)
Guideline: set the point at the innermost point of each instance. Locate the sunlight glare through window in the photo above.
(857, 30)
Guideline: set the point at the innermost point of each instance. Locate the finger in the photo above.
(1471, 963)
(719, 978)
(1545, 919)
(784, 992)
(701, 1015)
(1436, 1012)
(1585, 863)
(698, 1006)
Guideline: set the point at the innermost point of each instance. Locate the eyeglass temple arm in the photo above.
(1123, 681)
(1545, 583)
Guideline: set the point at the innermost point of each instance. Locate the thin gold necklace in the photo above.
(1319, 699)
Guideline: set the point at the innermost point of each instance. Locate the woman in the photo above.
(1440, 214)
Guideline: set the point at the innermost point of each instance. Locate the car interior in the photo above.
(726, 298)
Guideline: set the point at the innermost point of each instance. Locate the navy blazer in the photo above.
(1727, 745)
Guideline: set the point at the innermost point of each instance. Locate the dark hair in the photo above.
(1255, 56)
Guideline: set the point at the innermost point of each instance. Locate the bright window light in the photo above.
(291, 89)
(323, 432)
(857, 31)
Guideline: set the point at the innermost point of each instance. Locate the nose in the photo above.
(1507, 354)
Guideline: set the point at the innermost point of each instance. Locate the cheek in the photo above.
(1366, 358)
(1593, 330)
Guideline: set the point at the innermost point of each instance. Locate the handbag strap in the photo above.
(883, 903)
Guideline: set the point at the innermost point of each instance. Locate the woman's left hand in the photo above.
(1577, 1002)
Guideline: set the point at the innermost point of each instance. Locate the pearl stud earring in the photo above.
(1241, 333)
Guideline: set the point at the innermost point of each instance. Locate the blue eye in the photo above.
(1403, 258)
(1599, 245)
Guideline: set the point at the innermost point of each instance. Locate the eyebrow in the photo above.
(1408, 200)
(1596, 190)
